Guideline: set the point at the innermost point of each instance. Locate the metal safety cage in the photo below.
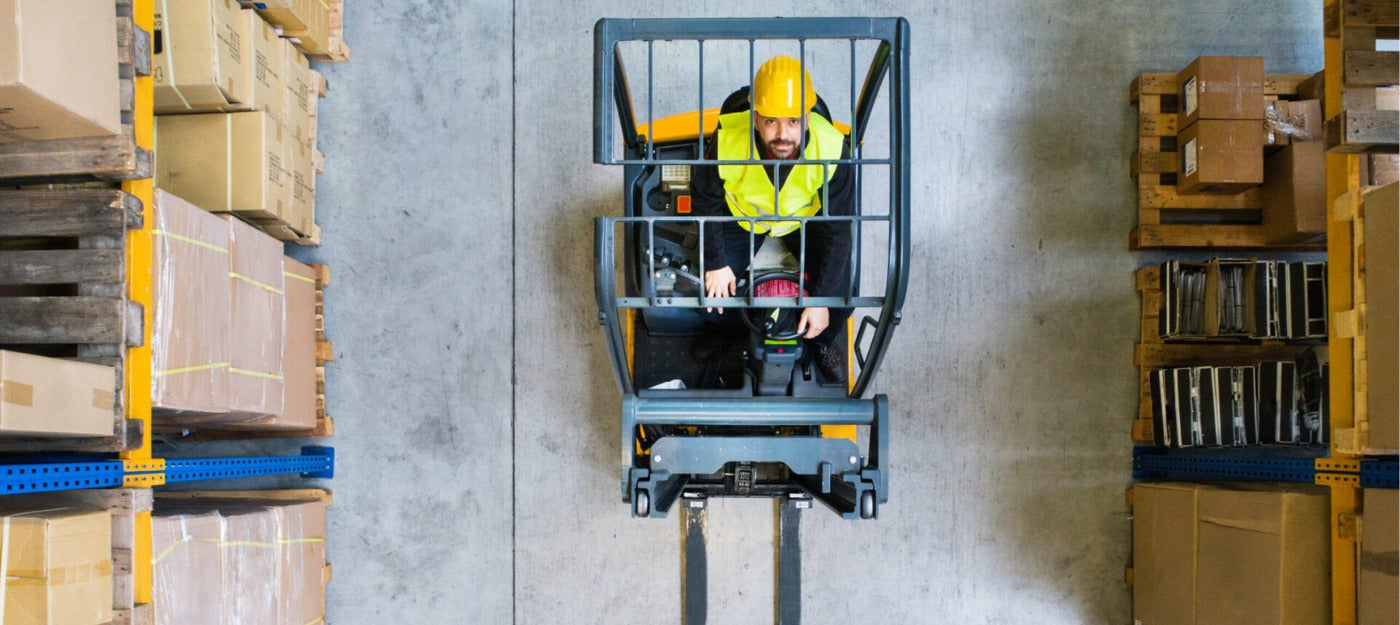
(832, 470)
(613, 112)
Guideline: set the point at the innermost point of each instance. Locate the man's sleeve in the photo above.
(835, 237)
(707, 200)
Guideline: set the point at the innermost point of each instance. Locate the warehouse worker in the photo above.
(779, 123)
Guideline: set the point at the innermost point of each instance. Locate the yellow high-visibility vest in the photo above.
(748, 189)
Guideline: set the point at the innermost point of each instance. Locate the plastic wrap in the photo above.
(190, 322)
(302, 557)
(57, 567)
(256, 373)
(250, 565)
(187, 561)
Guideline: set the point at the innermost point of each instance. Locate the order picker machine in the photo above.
(758, 420)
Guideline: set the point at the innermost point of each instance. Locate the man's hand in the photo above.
(720, 283)
(813, 322)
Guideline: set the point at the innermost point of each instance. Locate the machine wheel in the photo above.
(641, 504)
(867, 504)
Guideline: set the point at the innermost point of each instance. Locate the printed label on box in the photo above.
(1188, 158)
(1188, 96)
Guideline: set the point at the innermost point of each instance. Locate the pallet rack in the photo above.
(112, 273)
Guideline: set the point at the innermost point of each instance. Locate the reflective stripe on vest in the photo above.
(749, 191)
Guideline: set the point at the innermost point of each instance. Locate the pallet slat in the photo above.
(75, 319)
(104, 266)
(68, 213)
(1361, 131)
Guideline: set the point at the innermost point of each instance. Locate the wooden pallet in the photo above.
(1366, 123)
(129, 507)
(325, 352)
(1167, 219)
(113, 158)
(63, 292)
(1350, 324)
(1152, 353)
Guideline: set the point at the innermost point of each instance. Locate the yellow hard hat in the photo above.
(776, 91)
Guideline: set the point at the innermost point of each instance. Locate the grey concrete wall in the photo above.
(477, 418)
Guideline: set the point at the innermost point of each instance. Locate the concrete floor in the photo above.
(477, 418)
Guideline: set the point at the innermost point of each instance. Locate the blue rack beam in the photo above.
(1380, 474)
(1153, 464)
(17, 479)
(315, 462)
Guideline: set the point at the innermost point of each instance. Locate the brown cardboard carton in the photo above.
(256, 372)
(191, 309)
(250, 566)
(1378, 589)
(58, 567)
(306, 20)
(269, 57)
(1295, 190)
(202, 55)
(302, 558)
(1222, 157)
(41, 396)
(58, 70)
(302, 216)
(299, 354)
(1382, 238)
(226, 162)
(1263, 556)
(187, 558)
(296, 76)
(1221, 87)
(1164, 553)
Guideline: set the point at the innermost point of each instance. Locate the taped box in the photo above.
(191, 321)
(202, 55)
(58, 70)
(1221, 156)
(58, 567)
(42, 396)
(225, 162)
(1221, 87)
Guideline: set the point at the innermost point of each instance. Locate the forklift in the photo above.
(758, 420)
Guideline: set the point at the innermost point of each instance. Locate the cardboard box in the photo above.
(1378, 170)
(1295, 193)
(225, 162)
(302, 216)
(269, 57)
(308, 21)
(302, 561)
(1164, 553)
(1382, 238)
(256, 371)
(1221, 157)
(202, 55)
(298, 94)
(1378, 588)
(1264, 555)
(58, 70)
(1221, 87)
(191, 307)
(250, 566)
(58, 567)
(41, 396)
(187, 548)
(299, 354)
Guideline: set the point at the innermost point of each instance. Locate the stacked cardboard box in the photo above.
(1378, 589)
(250, 151)
(57, 567)
(1229, 554)
(1382, 280)
(240, 561)
(45, 397)
(1225, 127)
(233, 336)
(307, 22)
(58, 70)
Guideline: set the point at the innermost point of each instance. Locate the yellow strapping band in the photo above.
(195, 368)
(316, 620)
(298, 541)
(169, 550)
(256, 374)
(246, 543)
(299, 277)
(184, 239)
(268, 287)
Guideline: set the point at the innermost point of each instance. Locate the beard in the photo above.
(780, 148)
